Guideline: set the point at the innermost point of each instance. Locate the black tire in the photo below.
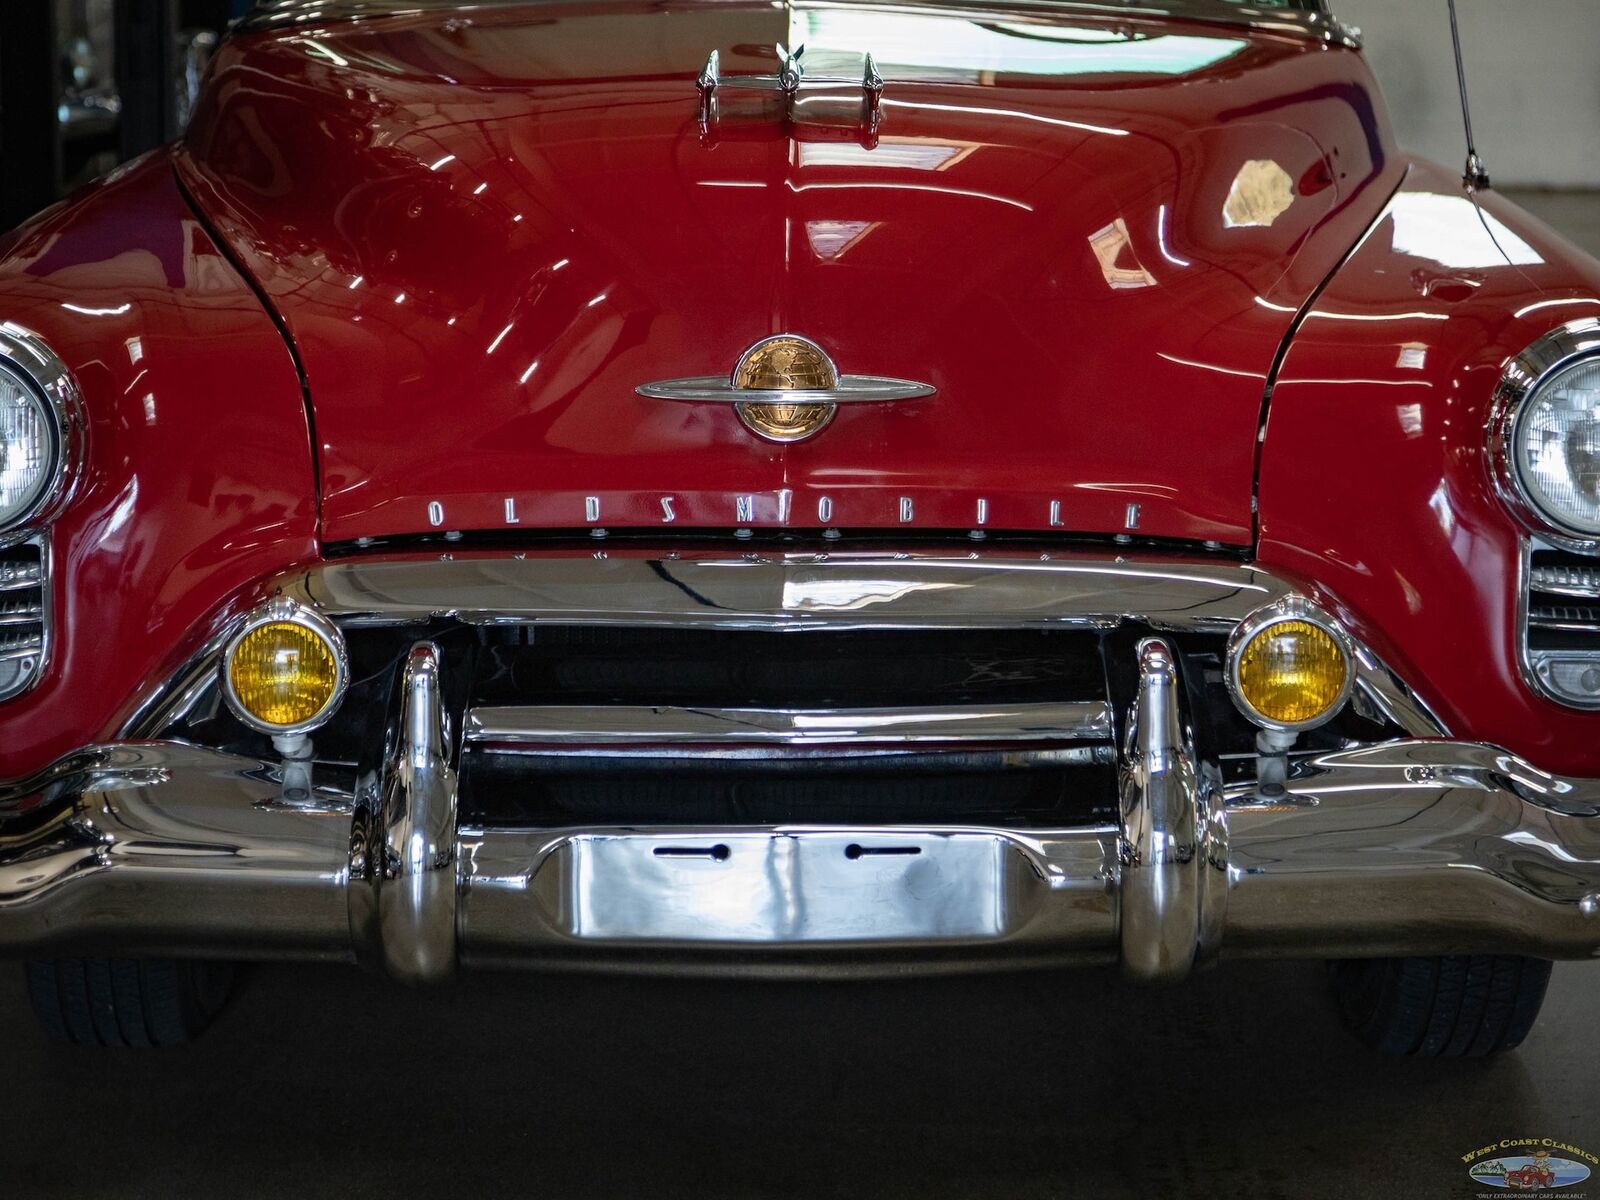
(1451, 1007)
(127, 1002)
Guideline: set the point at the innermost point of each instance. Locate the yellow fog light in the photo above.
(284, 671)
(1289, 666)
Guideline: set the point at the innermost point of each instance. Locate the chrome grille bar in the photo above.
(25, 646)
(20, 576)
(21, 611)
(1566, 580)
(1568, 618)
(627, 725)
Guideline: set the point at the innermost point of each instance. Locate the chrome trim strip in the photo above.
(175, 697)
(980, 589)
(852, 389)
(901, 757)
(404, 852)
(1381, 695)
(722, 389)
(626, 725)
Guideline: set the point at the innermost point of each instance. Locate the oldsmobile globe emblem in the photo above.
(785, 388)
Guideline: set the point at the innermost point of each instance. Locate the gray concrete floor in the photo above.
(322, 1082)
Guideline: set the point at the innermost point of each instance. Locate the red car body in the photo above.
(413, 269)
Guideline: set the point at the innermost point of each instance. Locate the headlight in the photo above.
(37, 398)
(1289, 666)
(285, 670)
(1547, 438)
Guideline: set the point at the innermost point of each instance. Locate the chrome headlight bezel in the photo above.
(26, 356)
(1290, 608)
(1571, 344)
(282, 610)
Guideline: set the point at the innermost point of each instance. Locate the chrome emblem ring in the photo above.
(785, 388)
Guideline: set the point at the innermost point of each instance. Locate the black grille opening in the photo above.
(1029, 786)
(1562, 625)
(1007, 788)
(576, 665)
(22, 617)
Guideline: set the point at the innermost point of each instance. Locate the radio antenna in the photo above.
(1476, 176)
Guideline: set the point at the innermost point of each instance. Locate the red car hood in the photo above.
(483, 230)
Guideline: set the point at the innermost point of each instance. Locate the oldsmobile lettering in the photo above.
(777, 508)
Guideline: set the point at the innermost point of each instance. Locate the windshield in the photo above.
(275, 12)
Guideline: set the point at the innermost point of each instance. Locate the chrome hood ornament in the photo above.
(787, 82)
(785, 388)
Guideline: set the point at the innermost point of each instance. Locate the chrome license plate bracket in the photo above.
(783, 887)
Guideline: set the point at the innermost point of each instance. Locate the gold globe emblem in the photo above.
(785, 364)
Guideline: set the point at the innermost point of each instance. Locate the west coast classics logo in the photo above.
(1531, 1165)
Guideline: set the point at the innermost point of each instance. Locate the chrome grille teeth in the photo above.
(1560, 631)
(1566, 580)
(22, 617)
(1571, 617)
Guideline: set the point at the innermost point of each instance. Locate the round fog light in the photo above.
(284, 671)
(1289, 668)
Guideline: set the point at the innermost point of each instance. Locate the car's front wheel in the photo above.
(127, 1002)
(1451, 1006)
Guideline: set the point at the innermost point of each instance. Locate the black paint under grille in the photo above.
(805, 669)
(1005, 788)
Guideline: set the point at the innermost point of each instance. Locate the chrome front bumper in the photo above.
(1409, 847)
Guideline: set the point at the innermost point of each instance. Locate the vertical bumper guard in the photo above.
(1172, 852)
(403, 868)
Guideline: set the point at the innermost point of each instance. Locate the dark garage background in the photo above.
(86, 84)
